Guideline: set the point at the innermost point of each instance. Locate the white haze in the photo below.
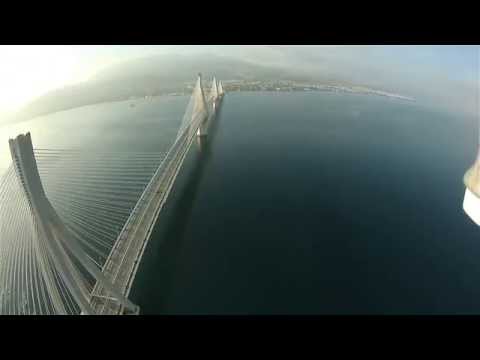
(443, 76)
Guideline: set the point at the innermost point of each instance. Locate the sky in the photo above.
(443, 74)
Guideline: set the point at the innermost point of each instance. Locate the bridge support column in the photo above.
(471, 206)
(471, 201)
(55, 245)
(202, 129)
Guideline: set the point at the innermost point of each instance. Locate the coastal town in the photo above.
(295, 86)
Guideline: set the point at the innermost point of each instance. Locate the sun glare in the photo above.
(27, 71)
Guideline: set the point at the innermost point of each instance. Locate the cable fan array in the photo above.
(199, 104)
(93, 195)
(22, 289)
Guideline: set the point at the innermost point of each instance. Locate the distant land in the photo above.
(291, 85)
(175, 74)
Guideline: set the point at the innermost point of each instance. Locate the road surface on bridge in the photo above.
(122, 264)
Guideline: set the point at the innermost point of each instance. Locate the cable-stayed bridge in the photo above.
(74, 223)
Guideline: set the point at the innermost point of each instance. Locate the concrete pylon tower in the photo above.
(56, 246)
(220, 88)
(201, 105)
(214, 90)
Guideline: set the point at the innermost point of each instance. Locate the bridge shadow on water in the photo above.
(155, 279)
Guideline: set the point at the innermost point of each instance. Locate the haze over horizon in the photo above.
(446, 77)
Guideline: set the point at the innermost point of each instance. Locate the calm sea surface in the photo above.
(298, 203)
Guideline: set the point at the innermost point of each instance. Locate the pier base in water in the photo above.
(202, 129)
(471, 205)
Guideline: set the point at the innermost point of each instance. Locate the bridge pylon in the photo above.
(57, 249)
(220, 89)
(201, 106)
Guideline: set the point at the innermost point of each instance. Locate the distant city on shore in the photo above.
(291, 86)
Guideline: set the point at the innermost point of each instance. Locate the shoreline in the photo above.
(234, 87)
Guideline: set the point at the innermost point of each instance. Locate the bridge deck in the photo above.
(122, 263)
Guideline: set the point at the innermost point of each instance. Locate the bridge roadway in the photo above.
(122, 263)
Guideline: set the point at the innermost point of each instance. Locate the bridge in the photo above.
(74, 223)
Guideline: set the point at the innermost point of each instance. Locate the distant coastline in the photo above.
(185, 89)
(292, 85)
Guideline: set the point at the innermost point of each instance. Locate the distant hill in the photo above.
(149, 76)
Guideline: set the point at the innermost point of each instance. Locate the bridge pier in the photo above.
(203, 129)
(471, 201)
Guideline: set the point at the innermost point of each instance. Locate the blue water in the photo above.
(299, 203)
(150, 125)
(319, 204)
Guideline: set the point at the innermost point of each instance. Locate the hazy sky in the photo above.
(443, 74)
